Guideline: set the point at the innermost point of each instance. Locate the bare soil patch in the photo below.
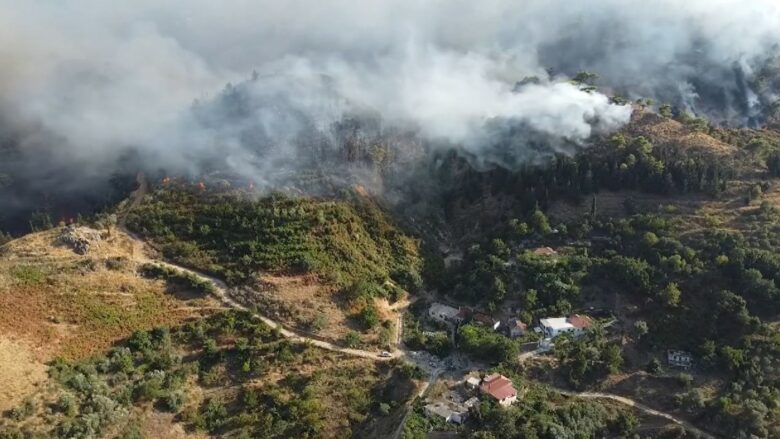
(161, 425)
(20, 373)
(305, 304)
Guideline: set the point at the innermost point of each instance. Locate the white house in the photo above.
(444, 313)
(555, 326)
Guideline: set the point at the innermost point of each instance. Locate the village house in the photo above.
(444, 313)
(545, 251)
(485, 320)
(499, 388)
(464, 313)
(679, 359)
(449, 411)
(516, 328)
(576, 324)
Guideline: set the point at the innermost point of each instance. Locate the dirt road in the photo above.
(221, 292)
(639, 406)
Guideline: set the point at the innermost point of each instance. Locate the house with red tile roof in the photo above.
(544, 251)
(486, 321)
(580, 322)
(499, 388)
(516, 328)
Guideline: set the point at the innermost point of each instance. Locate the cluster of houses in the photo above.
(495, 386)
(550, 327)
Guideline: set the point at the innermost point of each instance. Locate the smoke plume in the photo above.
(265, 86)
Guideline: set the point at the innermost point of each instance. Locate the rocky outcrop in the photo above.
(80, 239)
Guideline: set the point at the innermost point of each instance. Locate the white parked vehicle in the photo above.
(385, 354)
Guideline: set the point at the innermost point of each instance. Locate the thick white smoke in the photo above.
(102, 77)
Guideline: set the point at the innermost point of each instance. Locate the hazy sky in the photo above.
(100, 77)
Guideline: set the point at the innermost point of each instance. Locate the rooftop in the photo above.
(464, 312)
(442, 309)
(484, 319)
(580, 322)
(440, 409)
(473, 380)
(498, 386)
(544, 251)
(556, 323)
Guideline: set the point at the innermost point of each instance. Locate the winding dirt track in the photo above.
(222, 293)
(639, 406)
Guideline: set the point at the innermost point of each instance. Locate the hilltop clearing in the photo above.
(71, 305)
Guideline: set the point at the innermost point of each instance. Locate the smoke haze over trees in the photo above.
(89, 86)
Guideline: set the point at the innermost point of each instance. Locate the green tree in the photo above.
(670, 296)
(540, 223)
(352, 339)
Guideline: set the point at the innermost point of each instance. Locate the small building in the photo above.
(485, 320)
(581, 323)
(516, 328)
(679, 359)
(499, 388)
(464, 313)
(450, 412)
(545, 251)
(472, 383)
(444, 313)
(553, 327)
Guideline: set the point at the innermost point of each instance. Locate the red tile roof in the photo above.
(484, 319)
(580, 322)
(498, 386)
(464, 312)
(545, 251)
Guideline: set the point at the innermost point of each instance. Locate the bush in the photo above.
(653, 366)
(214, 414)
(352, 339)
(369, 316)
(175, 400)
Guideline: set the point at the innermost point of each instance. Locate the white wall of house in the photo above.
(506, 402)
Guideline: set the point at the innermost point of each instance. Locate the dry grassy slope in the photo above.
(297, 301)
(20, 373)
(662, 131)
(63, 304)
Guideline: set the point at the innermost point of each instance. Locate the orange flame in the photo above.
(202, 186)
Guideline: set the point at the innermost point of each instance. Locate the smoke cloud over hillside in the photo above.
(86, 82)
